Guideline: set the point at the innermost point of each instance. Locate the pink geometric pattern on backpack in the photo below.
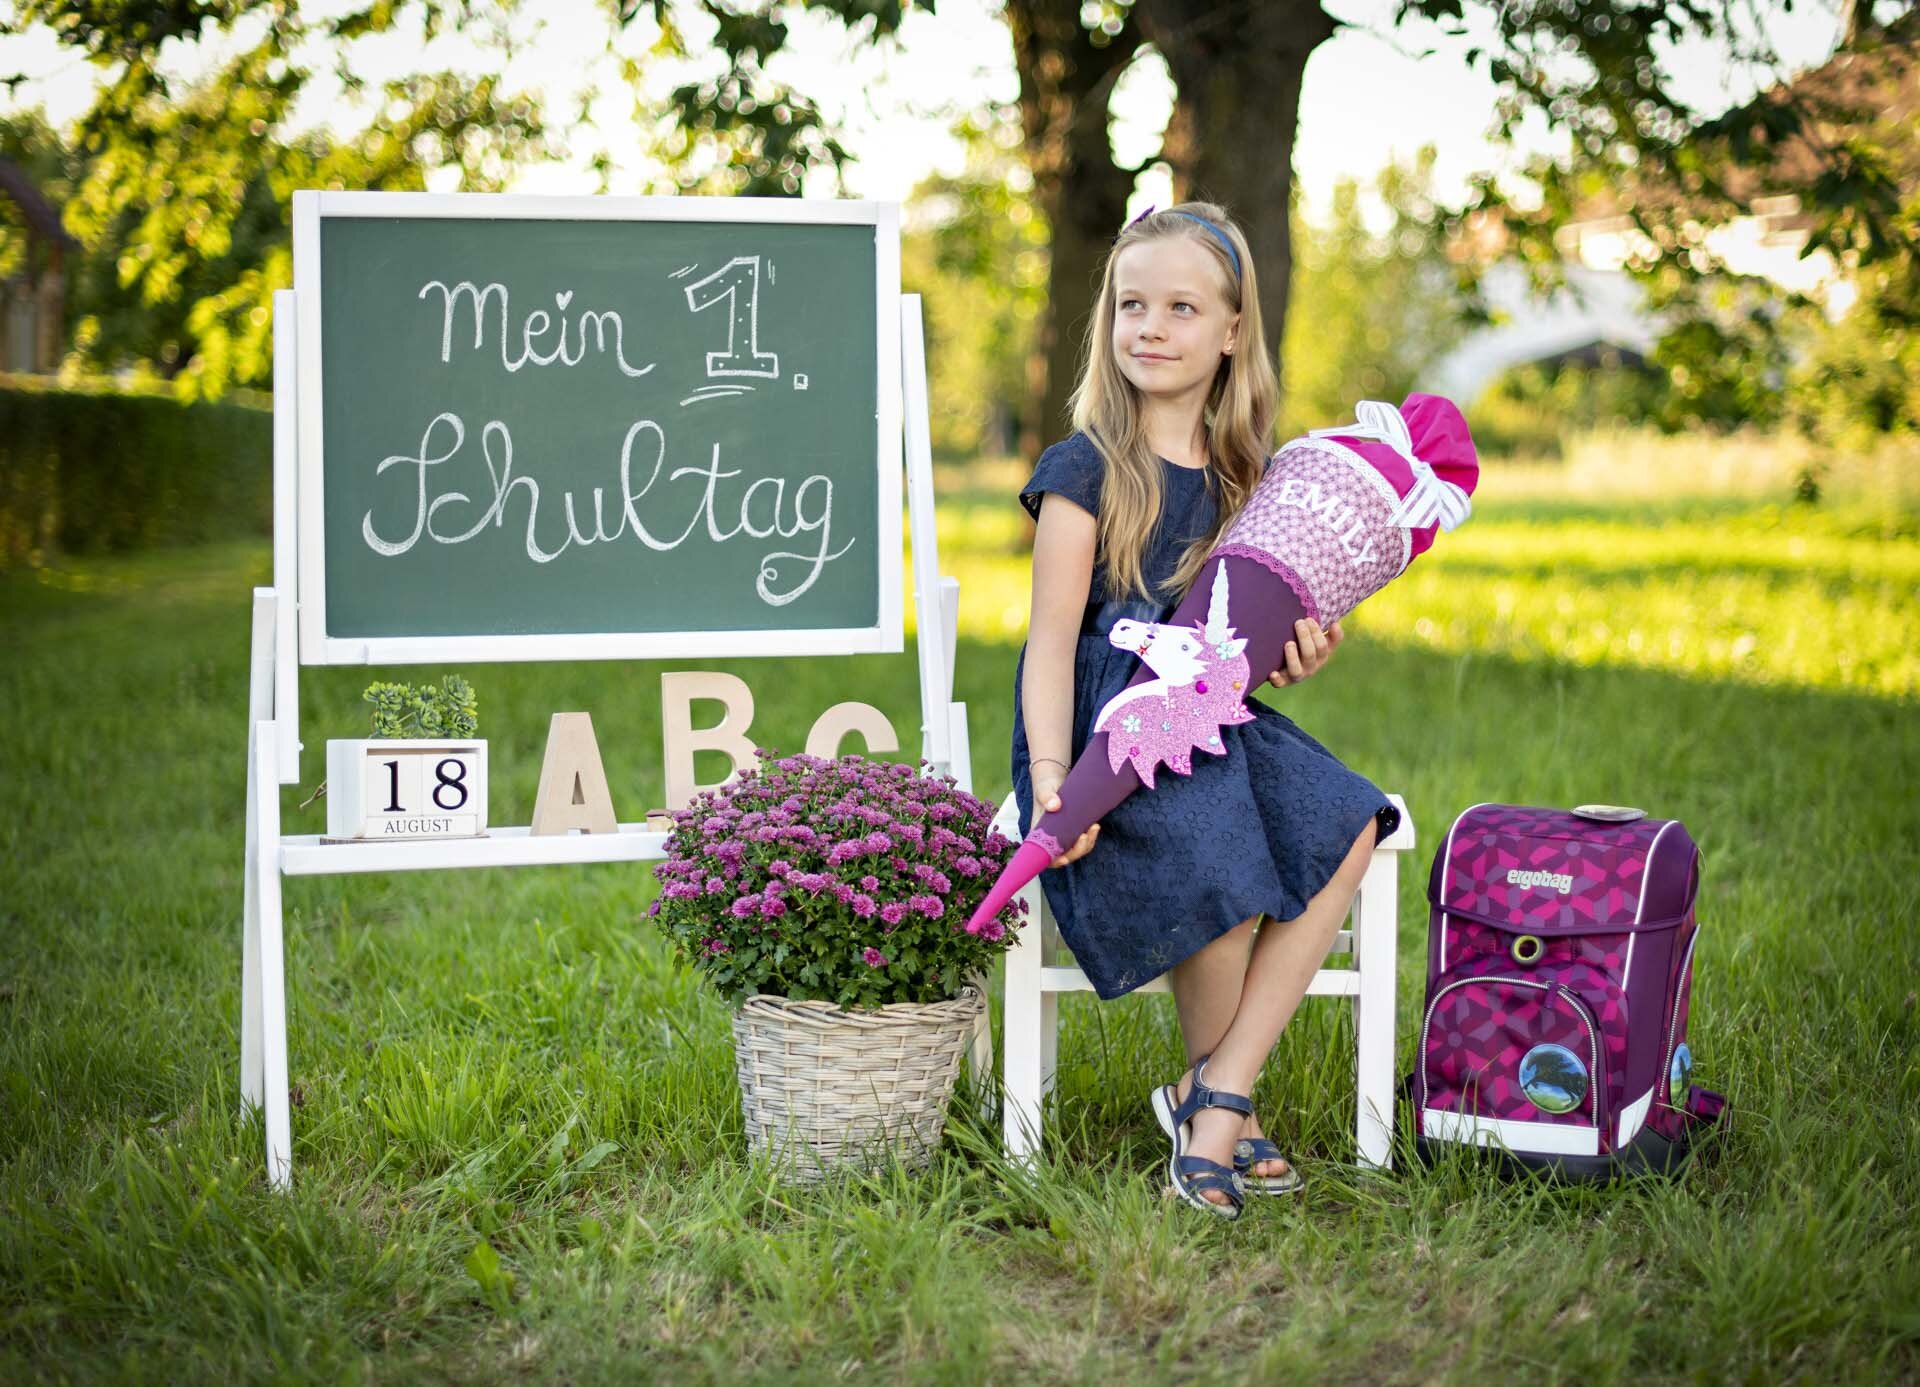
(1471, 939)
(1507, 864)
(1605, 861)
(1600, 990)
(1476, 1038)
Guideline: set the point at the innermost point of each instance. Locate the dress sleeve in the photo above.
(1073, 469)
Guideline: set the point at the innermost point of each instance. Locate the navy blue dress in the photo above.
(1261, 829)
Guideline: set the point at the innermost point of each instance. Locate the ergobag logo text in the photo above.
(1559, 881)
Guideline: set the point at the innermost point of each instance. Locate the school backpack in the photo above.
(1559, 965)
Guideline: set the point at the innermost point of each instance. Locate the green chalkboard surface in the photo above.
(545, 426)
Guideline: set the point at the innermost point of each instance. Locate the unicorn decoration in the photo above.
(1199, 687)
(1337, 515)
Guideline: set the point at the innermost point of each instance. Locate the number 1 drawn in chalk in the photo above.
(743, 318)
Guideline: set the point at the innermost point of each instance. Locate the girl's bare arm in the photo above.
(1063, 551)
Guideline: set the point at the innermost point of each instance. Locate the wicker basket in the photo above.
(826, 1090)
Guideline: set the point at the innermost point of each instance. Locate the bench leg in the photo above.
(1049, 1040)
(1027, 1037)
(980, 1049)
(1376, 956)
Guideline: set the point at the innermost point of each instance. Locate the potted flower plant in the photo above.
(828, 900)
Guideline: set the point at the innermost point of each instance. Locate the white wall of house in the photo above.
(30, 323)
(22, 327)
(1597, 306)
(1602, 304)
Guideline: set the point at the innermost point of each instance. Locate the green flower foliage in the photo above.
(403, 710)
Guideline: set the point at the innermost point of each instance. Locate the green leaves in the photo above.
(1828, 153)
(183, 189)
(402, 710)
(977, 251)
(1371, 310)
(494, 1281)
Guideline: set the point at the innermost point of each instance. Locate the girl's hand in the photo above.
(1046, 799)
(1308, 653)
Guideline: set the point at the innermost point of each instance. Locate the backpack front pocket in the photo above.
(1512, 1062)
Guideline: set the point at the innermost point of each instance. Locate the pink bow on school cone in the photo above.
(1337, 516)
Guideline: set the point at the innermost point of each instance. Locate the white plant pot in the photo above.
(391, 788)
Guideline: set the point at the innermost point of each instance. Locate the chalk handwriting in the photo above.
(534, 327)
(725, 285)
(437, 510)
(716, 392)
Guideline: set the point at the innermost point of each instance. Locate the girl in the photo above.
(1172, 417)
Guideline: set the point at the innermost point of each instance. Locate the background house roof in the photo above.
(41, 215)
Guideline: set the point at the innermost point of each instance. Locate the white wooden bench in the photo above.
(1039, 969)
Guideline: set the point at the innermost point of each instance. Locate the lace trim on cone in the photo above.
(1280, 570)
(1041, 838)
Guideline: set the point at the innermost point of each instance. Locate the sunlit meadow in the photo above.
(518, 1146)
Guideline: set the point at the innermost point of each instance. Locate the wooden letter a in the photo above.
(573, 784)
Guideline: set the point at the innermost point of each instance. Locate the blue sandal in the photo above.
(1246, 1152)
(1191, 1175)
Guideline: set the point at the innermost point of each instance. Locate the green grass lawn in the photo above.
(518, 1145)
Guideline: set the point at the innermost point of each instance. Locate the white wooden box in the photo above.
(405, 787)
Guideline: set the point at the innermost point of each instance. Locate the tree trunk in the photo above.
(1237, 67)
(1066, 81)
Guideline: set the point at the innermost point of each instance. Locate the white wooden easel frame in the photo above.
(319, 646)
(286, 633)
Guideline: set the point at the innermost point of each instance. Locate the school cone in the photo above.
(1338, 515)
(1167, 721)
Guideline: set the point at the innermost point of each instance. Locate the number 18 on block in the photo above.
(405, 788)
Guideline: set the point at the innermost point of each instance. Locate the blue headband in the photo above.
(1233, 256)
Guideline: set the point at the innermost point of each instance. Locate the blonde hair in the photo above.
(1238, 420)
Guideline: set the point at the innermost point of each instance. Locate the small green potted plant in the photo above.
(422, 773)
(828, 901)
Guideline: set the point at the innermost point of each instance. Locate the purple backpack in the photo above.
(1559, 963)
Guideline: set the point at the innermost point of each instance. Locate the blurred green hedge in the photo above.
(100, 466)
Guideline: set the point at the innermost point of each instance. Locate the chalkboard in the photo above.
(548, 427)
